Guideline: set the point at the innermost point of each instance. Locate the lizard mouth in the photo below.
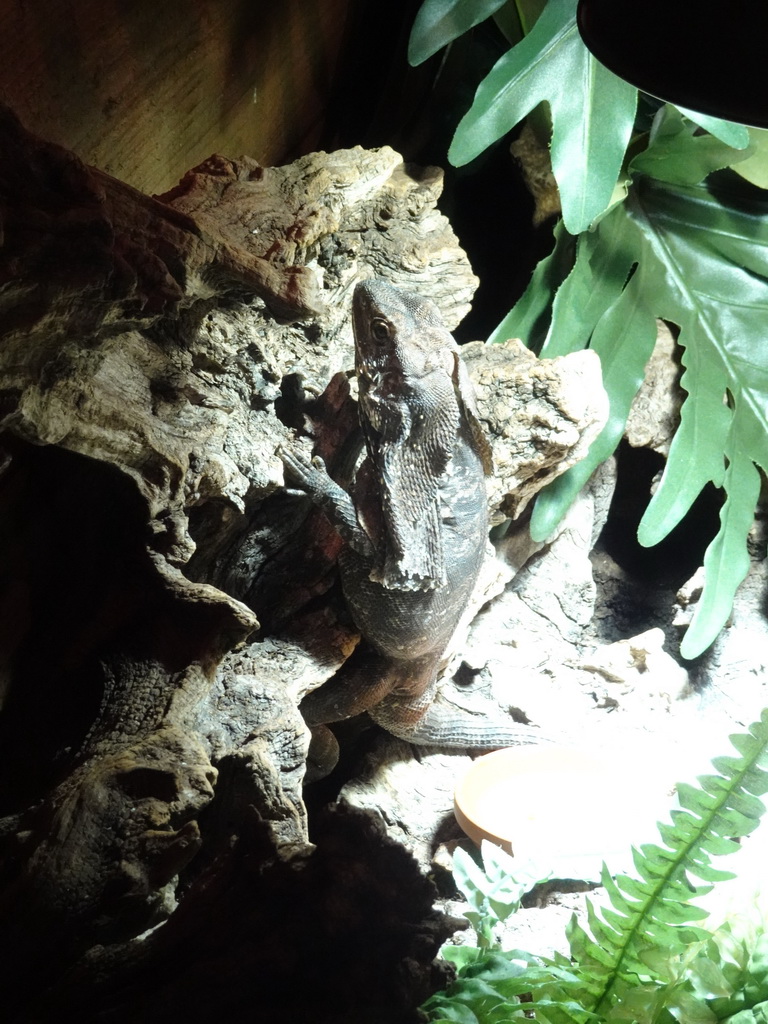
(373, 374)
(385, 383)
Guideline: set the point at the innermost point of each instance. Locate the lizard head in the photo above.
(409, 371)
(399, 337)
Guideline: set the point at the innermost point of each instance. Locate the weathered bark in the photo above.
(154, 354)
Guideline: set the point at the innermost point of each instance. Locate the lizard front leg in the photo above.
(312, 477)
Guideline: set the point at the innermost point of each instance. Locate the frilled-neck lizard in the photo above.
(415, 523)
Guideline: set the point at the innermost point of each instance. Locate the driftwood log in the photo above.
(166, 604)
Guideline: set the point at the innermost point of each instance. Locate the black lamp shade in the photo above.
(709, 57)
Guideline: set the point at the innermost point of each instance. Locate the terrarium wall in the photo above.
(147, 90)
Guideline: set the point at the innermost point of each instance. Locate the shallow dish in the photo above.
(566, 808)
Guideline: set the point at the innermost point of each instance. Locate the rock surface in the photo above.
(152, 753)
(167, 602)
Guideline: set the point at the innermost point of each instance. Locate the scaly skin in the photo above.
(415, 524)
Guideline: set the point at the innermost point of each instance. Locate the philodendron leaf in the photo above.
(439, 22)
(755, 167)
(623, 337)
(729, 132)
(707, 260)
(701, 262)
(592, 111)
(529, 319)
(680, 155)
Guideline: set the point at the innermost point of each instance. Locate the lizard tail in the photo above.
(442, 725)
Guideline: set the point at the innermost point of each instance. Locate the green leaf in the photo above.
(692, 1010)
(726, 560)
(624, 338)
(441, 1010)
(711, 266)
(701, 255)
(526, 11)
(494, 967)
(654, 924)
(600, 272)
(496, 863)
(529, 318)
(511, 877)
(729, 132)
(743, 950)
(478, 996)
(514, 22)
(461, 956)
(640, 958)
(678, 155)
(592, 111)
(495, 890)
(755, 1015)
(755, 167)
(439, 22)
(708, 264)
(710, 977)
(470, 878)
(592, 118)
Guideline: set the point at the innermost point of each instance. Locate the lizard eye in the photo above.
(380, 330)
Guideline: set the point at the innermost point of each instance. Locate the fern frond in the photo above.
(642, 956)
(655, 909)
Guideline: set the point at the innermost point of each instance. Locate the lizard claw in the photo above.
(308, 472)
(313, 479)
